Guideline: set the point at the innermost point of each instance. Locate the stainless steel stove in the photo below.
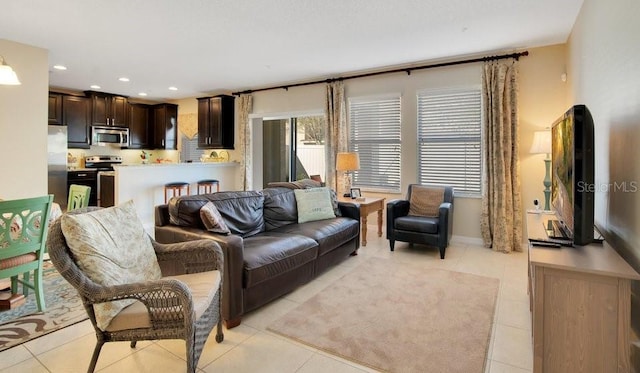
(103, 164)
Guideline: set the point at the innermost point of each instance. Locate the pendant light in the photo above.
(7, 75)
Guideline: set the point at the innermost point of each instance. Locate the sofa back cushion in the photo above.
(242, 211)
(279, 207)
(185, 211)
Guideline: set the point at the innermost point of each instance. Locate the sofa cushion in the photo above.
(416, 224)
(212, 219)
(279, 207)
(112, 248)
(313, 204)
(329, 234)
(184, 211)
(269, 254)
(242, 211)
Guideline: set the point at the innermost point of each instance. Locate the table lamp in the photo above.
(347, 162)
(542, 145)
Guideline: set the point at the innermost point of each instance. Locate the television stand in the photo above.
(580, 299)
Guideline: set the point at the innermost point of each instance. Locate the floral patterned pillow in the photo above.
(212, 219)
(112, 248)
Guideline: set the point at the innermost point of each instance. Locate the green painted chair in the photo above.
(24, 225)
(78, 196)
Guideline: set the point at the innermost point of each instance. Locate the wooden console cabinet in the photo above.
(580, 298)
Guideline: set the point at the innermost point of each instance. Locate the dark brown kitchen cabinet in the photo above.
(55, 109)
(76, 115)
(139, 126)
(108, 109)
(216, 122)
(165, 126)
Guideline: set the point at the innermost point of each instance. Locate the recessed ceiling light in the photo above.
(142, 94)
(123, 79)
(94, 86)
(173, 88)
(59, 67)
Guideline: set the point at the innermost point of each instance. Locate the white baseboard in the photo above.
(467, 240)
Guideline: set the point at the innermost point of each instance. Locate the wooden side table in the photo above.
(369, 205)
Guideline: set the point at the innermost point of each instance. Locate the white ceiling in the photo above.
(209, 46)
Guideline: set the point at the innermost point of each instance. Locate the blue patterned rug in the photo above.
(24, 323)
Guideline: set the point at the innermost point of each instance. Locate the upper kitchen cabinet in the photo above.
(165, 126)
(76, 115)
(139, 126)
(108, 109)
(55, 108)
(216, 122)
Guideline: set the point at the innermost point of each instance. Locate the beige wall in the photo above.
(23, 123)
(542, 99)
(604, 72)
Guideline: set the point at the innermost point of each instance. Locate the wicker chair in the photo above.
(170, 304)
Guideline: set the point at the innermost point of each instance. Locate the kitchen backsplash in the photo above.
(129, 156)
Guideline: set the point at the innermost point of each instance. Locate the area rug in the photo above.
(398, 317)
(24, 323)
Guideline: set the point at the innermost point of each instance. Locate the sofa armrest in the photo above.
(162, 215)
(349, 210)
(395, 209)
(445, 223)
(232, 250)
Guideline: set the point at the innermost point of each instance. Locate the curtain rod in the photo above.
(408, 70)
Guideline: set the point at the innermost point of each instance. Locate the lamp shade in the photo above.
(541, 142)
(7, 75)
(347, 161)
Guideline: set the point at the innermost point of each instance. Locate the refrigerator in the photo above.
(57, 164)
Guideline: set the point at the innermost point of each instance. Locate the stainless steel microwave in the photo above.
(118, 136)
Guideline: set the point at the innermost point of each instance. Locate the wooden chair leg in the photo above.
(39, 290)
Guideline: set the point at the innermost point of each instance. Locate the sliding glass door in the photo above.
(293, 146)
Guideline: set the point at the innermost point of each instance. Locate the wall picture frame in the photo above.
(355, 193)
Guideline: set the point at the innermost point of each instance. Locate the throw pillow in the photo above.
(112, 248)
(313, 204)
(212, 219)
(425, 201)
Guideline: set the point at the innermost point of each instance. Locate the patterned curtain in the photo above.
(501, 221)
(336, 130)
(244, 127)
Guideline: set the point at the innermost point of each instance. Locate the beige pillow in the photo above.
(212, 219)
(112, 248)
(425, 201)
(313, 204)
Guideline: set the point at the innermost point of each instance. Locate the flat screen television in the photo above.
(572, 179)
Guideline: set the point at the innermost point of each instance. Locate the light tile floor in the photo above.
(251, 348)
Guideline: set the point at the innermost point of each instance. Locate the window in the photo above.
(449, 136)
(374, 133)
(189, 151)
(293, 146)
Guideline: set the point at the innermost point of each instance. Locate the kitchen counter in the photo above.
(192, 164)
(144, 183)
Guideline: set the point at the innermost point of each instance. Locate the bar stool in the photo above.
(175, 189)
(207, 185)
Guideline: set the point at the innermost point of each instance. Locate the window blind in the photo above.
(449, 138)
(189, 149)
(374, 133)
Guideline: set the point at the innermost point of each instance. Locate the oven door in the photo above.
(85, 177)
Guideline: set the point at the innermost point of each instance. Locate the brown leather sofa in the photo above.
(267, 254)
